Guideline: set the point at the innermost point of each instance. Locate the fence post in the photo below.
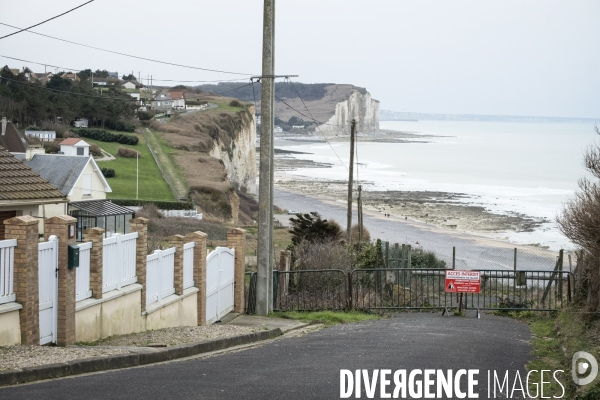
(26, 280)
(285, 260)
(177, 242)
(199, 272)
(60, 227)
(96, 236)
(349, 295)
(408, 256)
(236, 238)
(140, 225)
(453, 257)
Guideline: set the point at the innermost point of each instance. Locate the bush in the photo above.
(145, 116)
(108, 172)
(106, 136)
(128, 153)
(95, 150)
(319, 255)
(119, 126)
(311, 228)
(52, 147)
(235, 103)
(163, 205)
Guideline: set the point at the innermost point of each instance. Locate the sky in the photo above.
(508, 57)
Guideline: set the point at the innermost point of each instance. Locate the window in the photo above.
(80, 151)
(87, 185)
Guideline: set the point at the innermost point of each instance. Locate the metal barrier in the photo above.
(424, 289)
(311, 290)
(411, 289)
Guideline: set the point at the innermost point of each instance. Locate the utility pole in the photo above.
(360, 216)
(350, 178)
(264, 281)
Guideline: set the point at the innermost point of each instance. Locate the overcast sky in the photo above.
(472, 57)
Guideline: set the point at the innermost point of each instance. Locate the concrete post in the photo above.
(236, 238)
(177, 242)
(285, 261)
(26, 281)
(199, 271)
(60, 227)
(140, 225)
(96, 236)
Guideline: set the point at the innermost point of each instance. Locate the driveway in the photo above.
(308, 367)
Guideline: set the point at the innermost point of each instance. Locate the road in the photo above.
(472, 252)
(308, 367)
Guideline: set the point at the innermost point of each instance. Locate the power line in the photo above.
(43, 22)
(318, 127)
(81, 69)
(129, 55)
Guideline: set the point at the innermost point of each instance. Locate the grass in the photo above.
(151, 184)
(166, 157)
(556, 337)
(328, 318)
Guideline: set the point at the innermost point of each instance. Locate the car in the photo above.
(292, 212)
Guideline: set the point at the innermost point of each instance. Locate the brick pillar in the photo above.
(199, 271)
(26, 281)
(140, 225)
(65, 329)
(96, 236)
(236, 238)
(177, 242)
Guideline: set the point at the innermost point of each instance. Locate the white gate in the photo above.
(48, 290)
(220, 265)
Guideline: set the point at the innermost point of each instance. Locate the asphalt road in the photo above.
(308, 367)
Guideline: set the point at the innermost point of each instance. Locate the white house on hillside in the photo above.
(75, 147)
(128, 85)
(44, 136)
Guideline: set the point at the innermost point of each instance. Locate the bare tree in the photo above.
(580, 222)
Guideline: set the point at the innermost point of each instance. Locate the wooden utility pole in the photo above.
(264, 279)
(350, 179)
(360, 216)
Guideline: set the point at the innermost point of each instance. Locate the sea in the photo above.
(525, 168)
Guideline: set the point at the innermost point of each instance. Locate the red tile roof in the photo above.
(176, 95)
(70, 141)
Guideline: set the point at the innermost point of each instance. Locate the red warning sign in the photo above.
(463, 281)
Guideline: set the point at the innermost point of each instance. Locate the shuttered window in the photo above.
(87, 185)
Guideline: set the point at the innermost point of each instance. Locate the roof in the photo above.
(176, 95)
(61, 171)
(13, 140)
(100, 208)
(21, 184)
(73, 141)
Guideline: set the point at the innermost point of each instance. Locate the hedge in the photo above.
(161, 205)
(106, 136)
(119, 126)
(108, 172)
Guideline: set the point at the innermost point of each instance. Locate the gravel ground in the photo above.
(18, 357)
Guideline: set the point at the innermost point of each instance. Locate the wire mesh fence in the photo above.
(312, 290)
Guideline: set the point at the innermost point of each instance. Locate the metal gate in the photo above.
(48, 289)
(220, 266)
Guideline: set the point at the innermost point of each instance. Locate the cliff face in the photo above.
(239, 157)
(357, 106)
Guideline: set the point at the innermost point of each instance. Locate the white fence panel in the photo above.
(118, 261)
(82, 274)
(7, 270)
(188, 264)
(160, 275)
(48, 289)
(220, 266)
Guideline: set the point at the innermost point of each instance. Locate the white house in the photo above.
(75, 147)
(128, 85)
(44, 136)
(135, 96)
(178, 100)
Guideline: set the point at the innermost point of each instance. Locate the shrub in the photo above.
(366, 235)
(106, 136)
(95, 150)
(235, 103)
(317, 255)
(128, 153)
(51, 147)
(119, 126)
(311, 228)
(108, 172)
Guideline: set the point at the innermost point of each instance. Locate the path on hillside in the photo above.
(308, 367)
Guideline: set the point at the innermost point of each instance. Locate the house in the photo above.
(128, 85)
(135, 96)
(99, 81)
(75, 147)
(43, 77)
(11, 139)
(24, 192)
(162, 101)
(81, 123)
(82, 182)
(71, 76)
(278, 129)
(178, 100)
(44, 136)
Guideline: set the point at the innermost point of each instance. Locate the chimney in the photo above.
(3, 126)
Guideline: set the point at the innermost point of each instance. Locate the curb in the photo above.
(107, 363)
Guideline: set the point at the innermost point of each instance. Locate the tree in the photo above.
(312, 228)
(129, 77)
(580, 222)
